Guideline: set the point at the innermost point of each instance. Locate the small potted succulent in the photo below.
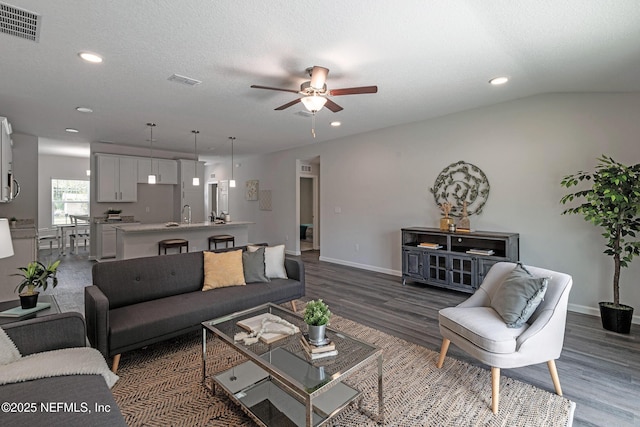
(316, 316)
(35, 275)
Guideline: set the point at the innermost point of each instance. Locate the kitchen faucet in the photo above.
(186, 218)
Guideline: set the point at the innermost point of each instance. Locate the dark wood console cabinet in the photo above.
(453, 265)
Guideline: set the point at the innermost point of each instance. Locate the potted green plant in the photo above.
(613, 203)
(35, 275)
(316, 316)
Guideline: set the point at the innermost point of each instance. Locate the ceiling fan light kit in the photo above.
(314, 103)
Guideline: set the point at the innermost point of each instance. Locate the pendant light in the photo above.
(151, 179)
(232, 182)
(196, 180)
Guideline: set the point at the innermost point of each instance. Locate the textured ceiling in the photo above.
(428, 58)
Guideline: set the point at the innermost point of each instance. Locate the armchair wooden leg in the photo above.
(554, 376)
(293, 305)
(495, 389)
(116, 362)
(443, 352)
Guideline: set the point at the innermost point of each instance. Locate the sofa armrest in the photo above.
(96, 314)
(46, 333)
(295, 269)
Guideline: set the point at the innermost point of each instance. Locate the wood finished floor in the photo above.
(599, 370)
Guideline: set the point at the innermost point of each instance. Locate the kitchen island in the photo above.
(141, 240)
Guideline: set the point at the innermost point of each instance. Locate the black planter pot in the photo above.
(28, 301)
(616, 318)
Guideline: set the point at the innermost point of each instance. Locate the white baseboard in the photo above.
(592, 311)
(362, 266)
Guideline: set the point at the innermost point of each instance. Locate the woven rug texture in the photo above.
(161, 386)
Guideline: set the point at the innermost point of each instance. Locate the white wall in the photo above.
(380, 183)
(59, 167)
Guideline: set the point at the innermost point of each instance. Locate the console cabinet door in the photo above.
(412, 263)
(462, 272)
(437, 267)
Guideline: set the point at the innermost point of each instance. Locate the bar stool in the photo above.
(222, 238)
(172, 243)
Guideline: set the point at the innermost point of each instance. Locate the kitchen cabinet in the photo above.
(166, 170)
(116, 178)
(190, 194)
(106, 240)
(455, 260)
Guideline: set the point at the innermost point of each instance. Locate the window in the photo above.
(68, 197)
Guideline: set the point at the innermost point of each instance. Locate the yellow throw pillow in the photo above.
(223, 269)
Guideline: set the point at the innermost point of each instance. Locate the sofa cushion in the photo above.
(517, 297)
(253, 266)
(482, 326)
(136, 280)
(135, 324)
(222, 270)
(273, 261)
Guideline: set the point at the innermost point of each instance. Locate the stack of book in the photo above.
(430, 245)
(487, 252)
(318, 352)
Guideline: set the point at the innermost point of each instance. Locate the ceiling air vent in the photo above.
(19, 22)
(184, 80)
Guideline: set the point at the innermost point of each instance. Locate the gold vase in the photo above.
(444, 223)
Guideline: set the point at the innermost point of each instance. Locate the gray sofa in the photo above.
(141, 301)
(52, 333)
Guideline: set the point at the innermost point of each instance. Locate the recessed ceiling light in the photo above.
(499, 80)
(335, 124)
(72, 130)
(90, 57)
(84, 109)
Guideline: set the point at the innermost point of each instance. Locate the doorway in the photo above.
(308, 205)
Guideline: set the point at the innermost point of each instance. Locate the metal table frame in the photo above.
(283, 378)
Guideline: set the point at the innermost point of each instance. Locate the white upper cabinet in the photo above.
(166, 170)
(116, 178)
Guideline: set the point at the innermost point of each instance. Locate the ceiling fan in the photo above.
(315, 93)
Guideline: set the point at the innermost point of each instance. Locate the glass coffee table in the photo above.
(278, 384)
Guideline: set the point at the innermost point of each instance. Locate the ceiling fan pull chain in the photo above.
(313, 124)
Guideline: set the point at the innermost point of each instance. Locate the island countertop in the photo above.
(140, 240)
(142, 228)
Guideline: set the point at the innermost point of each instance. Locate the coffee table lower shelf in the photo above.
(268, 403)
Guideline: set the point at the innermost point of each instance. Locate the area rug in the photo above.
(161, 386)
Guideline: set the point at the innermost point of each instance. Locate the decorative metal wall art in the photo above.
(464, 186)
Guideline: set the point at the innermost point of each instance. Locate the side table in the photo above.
(6, 305)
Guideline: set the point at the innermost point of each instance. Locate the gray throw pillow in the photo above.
(518, 296)
(253, 266)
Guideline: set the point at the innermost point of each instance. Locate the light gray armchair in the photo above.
(477, 328)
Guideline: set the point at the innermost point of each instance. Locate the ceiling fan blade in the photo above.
(274, 88)
(318, 77)
(288, 104)
(333, 106)
(353, 90)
